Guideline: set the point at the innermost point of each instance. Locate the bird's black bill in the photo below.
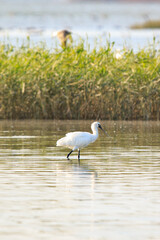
(103, 130)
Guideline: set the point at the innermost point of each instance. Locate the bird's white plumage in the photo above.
(78, 140)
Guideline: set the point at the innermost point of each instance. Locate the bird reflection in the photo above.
(83, 169)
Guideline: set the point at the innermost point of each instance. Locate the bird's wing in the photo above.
(79, 134)
(79, 139)
(70, 134)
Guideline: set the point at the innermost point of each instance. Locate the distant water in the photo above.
(39, 19)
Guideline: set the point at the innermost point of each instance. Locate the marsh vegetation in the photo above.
(79, 83)
(147, 24)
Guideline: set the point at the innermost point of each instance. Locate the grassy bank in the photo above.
(78, 84)
(148, 24)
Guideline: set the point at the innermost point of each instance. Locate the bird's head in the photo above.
(97, 125)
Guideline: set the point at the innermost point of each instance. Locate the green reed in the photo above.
(75, 83)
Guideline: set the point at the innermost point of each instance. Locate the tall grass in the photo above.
(74, 83)
(148, 24)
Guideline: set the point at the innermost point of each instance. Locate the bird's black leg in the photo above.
(69, 154)
(79, 155)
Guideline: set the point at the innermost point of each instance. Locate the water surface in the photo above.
(113, 194)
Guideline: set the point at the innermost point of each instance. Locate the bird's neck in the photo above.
(95, 132)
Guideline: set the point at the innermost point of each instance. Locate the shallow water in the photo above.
(93, 20)
(113, 194)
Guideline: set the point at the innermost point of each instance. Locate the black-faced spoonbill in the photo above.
(78, 140)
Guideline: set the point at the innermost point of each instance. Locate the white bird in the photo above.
(78, 140)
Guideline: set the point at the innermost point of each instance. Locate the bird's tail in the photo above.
(61, 142)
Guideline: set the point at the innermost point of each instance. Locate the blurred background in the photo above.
(93, 21)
